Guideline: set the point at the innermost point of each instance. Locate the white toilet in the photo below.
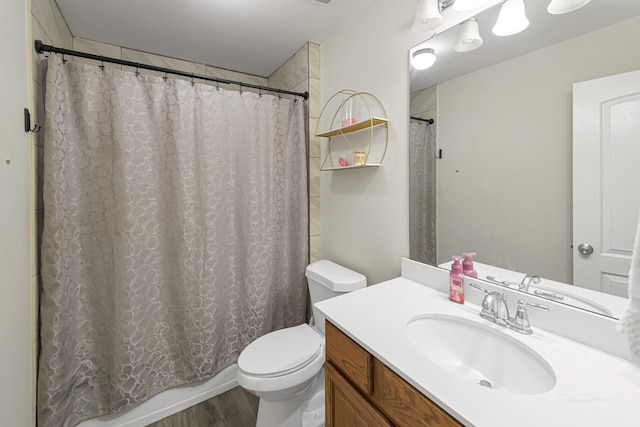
(284, 368)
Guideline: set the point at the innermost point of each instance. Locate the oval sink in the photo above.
(480, 354)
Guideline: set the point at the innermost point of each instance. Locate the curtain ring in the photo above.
(137, 70)
(64, 61)
(101, 63)
(193, 83)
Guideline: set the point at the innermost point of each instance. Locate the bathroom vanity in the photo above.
(361, 390)
(399, 353)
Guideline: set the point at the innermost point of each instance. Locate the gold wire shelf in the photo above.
(342, 142)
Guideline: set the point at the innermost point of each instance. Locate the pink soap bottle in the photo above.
(456, 281)
(467, 265)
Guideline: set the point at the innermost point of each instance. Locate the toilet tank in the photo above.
(327, 280)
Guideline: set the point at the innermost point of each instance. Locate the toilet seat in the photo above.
(281, 359)
(280, 352)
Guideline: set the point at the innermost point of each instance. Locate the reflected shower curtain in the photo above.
(422, 192)
(175, 234)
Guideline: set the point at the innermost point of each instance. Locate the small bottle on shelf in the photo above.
(347, 106)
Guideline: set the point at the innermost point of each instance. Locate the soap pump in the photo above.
(456, 281)
(467, 265)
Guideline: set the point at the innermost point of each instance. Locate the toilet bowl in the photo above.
(284, 367)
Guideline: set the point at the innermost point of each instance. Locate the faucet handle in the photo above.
(520, 322)
(494, 306)
(480, 288)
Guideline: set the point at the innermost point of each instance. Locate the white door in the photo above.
(606, 180)
(16, 376)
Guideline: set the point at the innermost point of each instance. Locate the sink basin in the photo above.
(480, 354)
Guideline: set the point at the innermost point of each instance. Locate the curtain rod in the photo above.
(420, 119)
(41, 48)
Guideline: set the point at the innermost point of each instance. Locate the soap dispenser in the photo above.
(467, 265)
(456, 281)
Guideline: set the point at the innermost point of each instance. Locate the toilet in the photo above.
(285, 368)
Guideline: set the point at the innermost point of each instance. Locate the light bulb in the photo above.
(557, 7)
(423, 58)
(465, 5)
(428, 16)
(469, 38)
(512, 18)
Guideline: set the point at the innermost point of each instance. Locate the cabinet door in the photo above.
(407, 407)
(345, 406)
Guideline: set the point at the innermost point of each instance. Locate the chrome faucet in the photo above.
(527, 281)
(520, 322)
(495, 309)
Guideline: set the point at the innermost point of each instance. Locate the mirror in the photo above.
(504, 122)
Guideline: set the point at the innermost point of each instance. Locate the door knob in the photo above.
(585, 249)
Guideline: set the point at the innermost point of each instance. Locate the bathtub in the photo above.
(168, 402)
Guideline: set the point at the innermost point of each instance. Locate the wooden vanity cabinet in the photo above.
(362, 391)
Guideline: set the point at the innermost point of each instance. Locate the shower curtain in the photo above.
(175, 233)
(422, 192)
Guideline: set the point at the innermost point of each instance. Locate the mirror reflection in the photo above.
(513, 182)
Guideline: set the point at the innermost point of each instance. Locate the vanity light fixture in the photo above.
(465, 5)
(557, 7)
(422, 59)
(469, 38)
(512, 18)
(428, 16)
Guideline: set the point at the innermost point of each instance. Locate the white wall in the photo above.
(365, 213)
(505, 184)
(16, 324)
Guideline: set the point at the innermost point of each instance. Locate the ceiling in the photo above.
(544, 30)
(249, 36)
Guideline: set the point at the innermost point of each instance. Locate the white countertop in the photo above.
(593, 388)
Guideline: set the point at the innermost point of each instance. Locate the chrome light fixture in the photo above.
(422, 59)
(465, 5)
(512, 18)
(469, 38)
(428, 16)
(557, 7)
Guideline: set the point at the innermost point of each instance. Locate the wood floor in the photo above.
(235, 408)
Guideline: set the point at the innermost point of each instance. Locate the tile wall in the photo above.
(301, 73)
(424, 103)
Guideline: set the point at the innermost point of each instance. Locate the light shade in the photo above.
(428, 16)
(511, 19)
(557, 7)
(469, 38)
(423, 58)
(465, 5)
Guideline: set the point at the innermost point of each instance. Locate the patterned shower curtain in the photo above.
(422, 192)
(175, 233)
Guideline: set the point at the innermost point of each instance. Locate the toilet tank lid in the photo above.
(335, 277)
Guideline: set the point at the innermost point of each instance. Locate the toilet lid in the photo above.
(280, 352)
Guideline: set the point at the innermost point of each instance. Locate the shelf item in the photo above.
(342, 134)
(355, 127)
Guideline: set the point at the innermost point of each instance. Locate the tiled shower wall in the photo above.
(301, 73)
